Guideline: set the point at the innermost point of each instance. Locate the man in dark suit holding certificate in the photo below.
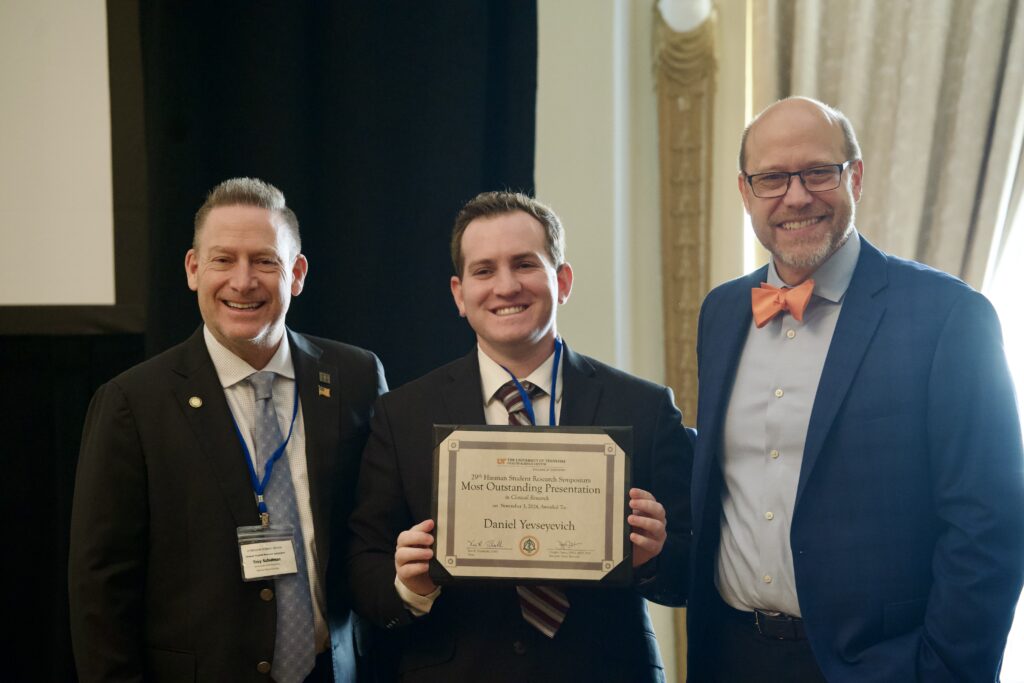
(232, 454)
(858, 491)
(508, 254)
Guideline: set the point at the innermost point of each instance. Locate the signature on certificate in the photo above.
(569, 545)
(484, 543)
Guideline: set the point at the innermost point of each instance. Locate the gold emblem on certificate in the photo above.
(531, 504)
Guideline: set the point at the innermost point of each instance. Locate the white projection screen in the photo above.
(56, 198)
(72, 168)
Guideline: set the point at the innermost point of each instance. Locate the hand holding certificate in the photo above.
(412, 556)
(543, 504)
(649, 526)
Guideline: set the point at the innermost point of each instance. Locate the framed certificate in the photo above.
(531, 504)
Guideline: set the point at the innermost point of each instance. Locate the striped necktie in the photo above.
(543, 607)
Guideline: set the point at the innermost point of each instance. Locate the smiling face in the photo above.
(245, 271)
(801, 229)
(509, 289)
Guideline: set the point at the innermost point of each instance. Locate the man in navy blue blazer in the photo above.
(858, 484)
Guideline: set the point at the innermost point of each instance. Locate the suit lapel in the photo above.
(211, 423)
(863, 307)
(462, 395)
(727, 326)
(581, 390)
(724, 329)
(320, 420)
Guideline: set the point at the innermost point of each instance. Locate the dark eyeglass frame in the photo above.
(839, 179)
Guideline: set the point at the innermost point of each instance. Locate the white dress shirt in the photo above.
(232, 372)
(493, 377)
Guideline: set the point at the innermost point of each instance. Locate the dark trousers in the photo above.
(739, 654)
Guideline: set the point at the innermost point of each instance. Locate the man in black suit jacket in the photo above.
(507, 250)
(163, 485)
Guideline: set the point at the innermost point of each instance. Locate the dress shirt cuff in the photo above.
(414, 602)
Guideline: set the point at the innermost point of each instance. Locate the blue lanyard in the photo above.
(527, 403)
(259, 486)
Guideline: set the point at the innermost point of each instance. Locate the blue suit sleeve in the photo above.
(977, 485)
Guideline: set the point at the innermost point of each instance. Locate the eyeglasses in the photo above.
(817, 179)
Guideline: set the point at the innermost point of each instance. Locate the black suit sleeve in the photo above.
(382, 382)
(381, 513)
(667, 477)
(107, 560)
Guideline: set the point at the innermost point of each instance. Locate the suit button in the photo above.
(263, 667)
(519, 648)
(267, 594)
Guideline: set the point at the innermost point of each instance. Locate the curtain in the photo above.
(933, 88)
(378, 120)
(684, 66)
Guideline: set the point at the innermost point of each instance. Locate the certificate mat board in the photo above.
(531, 505)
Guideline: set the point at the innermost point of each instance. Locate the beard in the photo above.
(812, 252)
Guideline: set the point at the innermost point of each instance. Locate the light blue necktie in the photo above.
(294, 651)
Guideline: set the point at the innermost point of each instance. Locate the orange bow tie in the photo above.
(769, 301)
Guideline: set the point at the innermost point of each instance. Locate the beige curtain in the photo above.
(934, 89)
(685, 80)
(684, 66)
(1008, 215)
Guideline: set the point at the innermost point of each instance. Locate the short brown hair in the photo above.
(489, 204)
(247, 192)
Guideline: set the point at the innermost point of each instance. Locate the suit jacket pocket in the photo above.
(169, 665)
(900, 617)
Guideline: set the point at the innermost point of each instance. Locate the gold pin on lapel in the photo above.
(325, 392)
(195, 402)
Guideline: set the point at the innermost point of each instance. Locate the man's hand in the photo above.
(648, 524)
(413, 553)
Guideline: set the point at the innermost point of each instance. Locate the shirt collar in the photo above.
(493, 376)
(832, 278)
(231, 369)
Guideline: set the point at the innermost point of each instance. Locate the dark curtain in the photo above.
(46, 387)
(377, 119)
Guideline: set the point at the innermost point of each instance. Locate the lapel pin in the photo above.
(325, 392)
(195, 402)
(325, 378)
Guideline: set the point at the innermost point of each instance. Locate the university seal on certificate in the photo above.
(531, 504)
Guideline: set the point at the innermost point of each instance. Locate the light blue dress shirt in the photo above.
(765, 429)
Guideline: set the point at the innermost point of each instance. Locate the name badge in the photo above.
(266, 552)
